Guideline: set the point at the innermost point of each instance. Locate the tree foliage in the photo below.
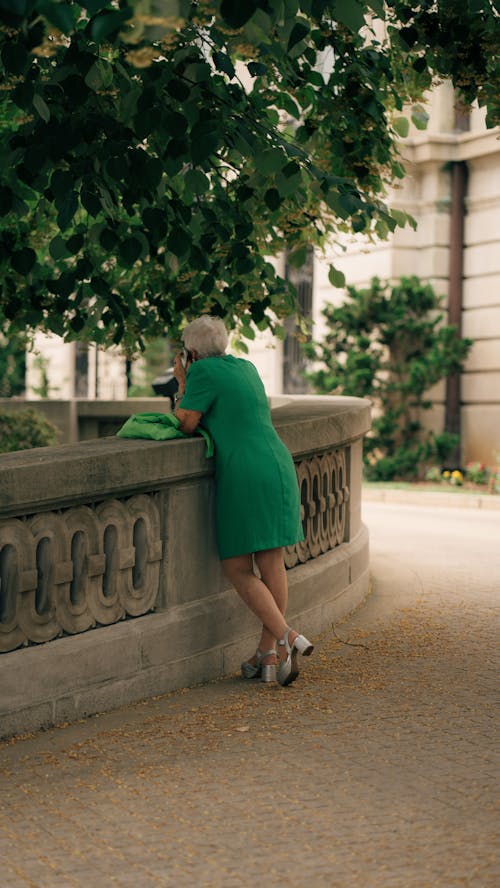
(25, 429)
(12, 363)
(156, 153)
(388, 343)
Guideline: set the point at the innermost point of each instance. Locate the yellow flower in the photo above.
(446, 474)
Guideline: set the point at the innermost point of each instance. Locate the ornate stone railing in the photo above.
(63, 572)
(69, 571)
(99, 533)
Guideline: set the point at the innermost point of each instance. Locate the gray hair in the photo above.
(207, 336)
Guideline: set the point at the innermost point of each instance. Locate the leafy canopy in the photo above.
(156, 153)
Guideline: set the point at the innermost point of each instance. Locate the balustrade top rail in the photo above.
(54, 477)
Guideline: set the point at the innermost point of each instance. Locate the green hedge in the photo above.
(25, 429)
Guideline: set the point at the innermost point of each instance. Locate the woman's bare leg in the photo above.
(271, 564)
(264, 600)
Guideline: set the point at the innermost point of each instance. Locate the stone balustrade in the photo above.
(117, 536)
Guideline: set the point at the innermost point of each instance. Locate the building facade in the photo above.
(452, 189)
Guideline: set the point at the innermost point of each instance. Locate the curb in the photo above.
(431, 498)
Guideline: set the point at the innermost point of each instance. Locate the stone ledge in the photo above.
(70, 474)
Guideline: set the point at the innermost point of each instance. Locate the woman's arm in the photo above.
(189, 419)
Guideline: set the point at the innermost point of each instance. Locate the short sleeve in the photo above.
(199, 393)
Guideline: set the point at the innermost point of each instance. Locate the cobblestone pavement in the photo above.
(375, 769)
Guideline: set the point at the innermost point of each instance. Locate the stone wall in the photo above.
(110, 585)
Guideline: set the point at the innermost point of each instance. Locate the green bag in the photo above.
(159, 427)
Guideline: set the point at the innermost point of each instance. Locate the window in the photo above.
(294, 361)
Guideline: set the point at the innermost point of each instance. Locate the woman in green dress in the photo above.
(257, 496)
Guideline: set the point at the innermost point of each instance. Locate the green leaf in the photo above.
(247, 331)
(175, 124)
(409, 36)
(155, 220)
(92, 6)
(179, 243)
(57, 248)
(75, 243)
(64, 285)
(350, 13)
(117, 168)
(270, 161)
(291, 169)
(272, 199)
(22, 95)
(350, 202)
(237, 12)
(332, 200)
(223, 63)
(41, 107)
(298, 257)
(382, 229)
(402, 126)
(378, 8)
(205, 138)
(61, 182)
(420, 117)
(99, 76)
(199, 72)
(258, 29)
(67, 209)
(6, 199)
(23, 260)
(197, 182)
(299, 31)
(105, 25)
(61, 15)
(400, 217)
(90, 201)
(108, 239)
(286, 102)
(178, 89)
(129, 250)
(336, 277)
(257, 69)
(152, 173)
(14, 58)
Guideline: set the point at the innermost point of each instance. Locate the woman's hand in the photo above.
(180, 372)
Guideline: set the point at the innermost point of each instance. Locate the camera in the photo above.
(186, 357)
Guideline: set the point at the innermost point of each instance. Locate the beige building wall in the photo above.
(54, 361)
(426, 194)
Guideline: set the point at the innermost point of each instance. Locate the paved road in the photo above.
(375, 769)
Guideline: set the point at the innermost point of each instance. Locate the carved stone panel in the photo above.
(68, 571)
(324, 496)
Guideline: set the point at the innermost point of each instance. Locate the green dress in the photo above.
(257, 498)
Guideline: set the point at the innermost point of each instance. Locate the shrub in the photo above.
(476, 472)
(388, 343)
(24, 430)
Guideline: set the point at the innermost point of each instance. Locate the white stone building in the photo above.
(433, 252)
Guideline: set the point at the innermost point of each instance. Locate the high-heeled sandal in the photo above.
(288, 669)
(266, 672)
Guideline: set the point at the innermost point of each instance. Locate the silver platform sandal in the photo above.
(288, 669)
(266, 672)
